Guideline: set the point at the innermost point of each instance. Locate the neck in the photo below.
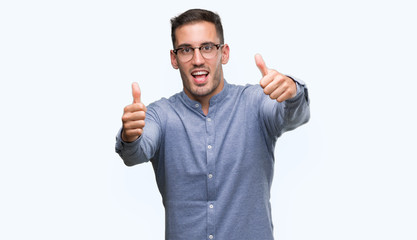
(205, 100)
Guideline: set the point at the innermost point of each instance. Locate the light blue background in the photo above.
(65, 74)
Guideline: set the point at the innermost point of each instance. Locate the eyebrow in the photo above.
(189, 45)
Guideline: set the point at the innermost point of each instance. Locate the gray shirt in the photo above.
(215, 172)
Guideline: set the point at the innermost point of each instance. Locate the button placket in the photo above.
(210, 158)
(211, 186)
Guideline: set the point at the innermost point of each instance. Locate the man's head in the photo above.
(197, 15)
(199, 53)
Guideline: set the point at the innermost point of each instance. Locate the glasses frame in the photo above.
(218, 46)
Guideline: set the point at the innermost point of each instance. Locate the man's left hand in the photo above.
(278, 86)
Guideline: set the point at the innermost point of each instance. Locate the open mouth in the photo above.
(200, 76)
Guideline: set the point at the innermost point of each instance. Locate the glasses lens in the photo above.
(185, 54)
(208, 51)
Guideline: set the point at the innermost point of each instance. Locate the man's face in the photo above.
(201, 77)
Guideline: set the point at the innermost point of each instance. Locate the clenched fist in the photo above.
(278, 86)
(133, 117)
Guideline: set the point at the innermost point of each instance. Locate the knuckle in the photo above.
(125, 117)
(142, 115)
(275, 73)
(139, 131)
(127, 108)
(280, 98)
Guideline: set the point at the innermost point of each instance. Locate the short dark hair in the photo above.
(197, 15)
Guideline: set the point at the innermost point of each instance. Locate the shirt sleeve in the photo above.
(288, 115)
(145, 147)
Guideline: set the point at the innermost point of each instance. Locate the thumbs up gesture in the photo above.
(134, 116)
(278, 86)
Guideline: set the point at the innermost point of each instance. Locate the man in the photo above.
(212, 145)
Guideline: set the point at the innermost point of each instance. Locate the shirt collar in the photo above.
(214, 100)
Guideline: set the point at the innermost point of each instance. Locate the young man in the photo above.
(212, 145)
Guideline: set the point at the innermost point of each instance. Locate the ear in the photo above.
(174, 62)
(225, 54)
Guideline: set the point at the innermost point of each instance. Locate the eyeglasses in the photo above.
(207, 50)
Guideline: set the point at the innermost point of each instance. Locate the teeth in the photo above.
(200, 73)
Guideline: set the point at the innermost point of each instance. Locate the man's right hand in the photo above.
(133, 117)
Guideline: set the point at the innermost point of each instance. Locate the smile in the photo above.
(200, 76)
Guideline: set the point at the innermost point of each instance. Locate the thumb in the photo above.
(136, 92)
(261, 64)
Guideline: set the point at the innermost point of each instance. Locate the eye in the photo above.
(186, 50)
(207, 48)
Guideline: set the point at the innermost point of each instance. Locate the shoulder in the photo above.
(165, 103)
(249, 92)
(163, 108)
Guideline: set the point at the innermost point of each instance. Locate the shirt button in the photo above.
(196, 105)
(209, 119)
(210, 175)
(211, 236)
(211, 206)
(209, 146)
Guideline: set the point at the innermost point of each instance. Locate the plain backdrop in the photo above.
(65, 74)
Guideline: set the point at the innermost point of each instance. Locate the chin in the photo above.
(199, 92)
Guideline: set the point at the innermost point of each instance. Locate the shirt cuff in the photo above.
(122, 145)
(301, 88)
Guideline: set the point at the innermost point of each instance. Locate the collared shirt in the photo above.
(215, 171)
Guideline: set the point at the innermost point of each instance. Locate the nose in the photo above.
(198, 59)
